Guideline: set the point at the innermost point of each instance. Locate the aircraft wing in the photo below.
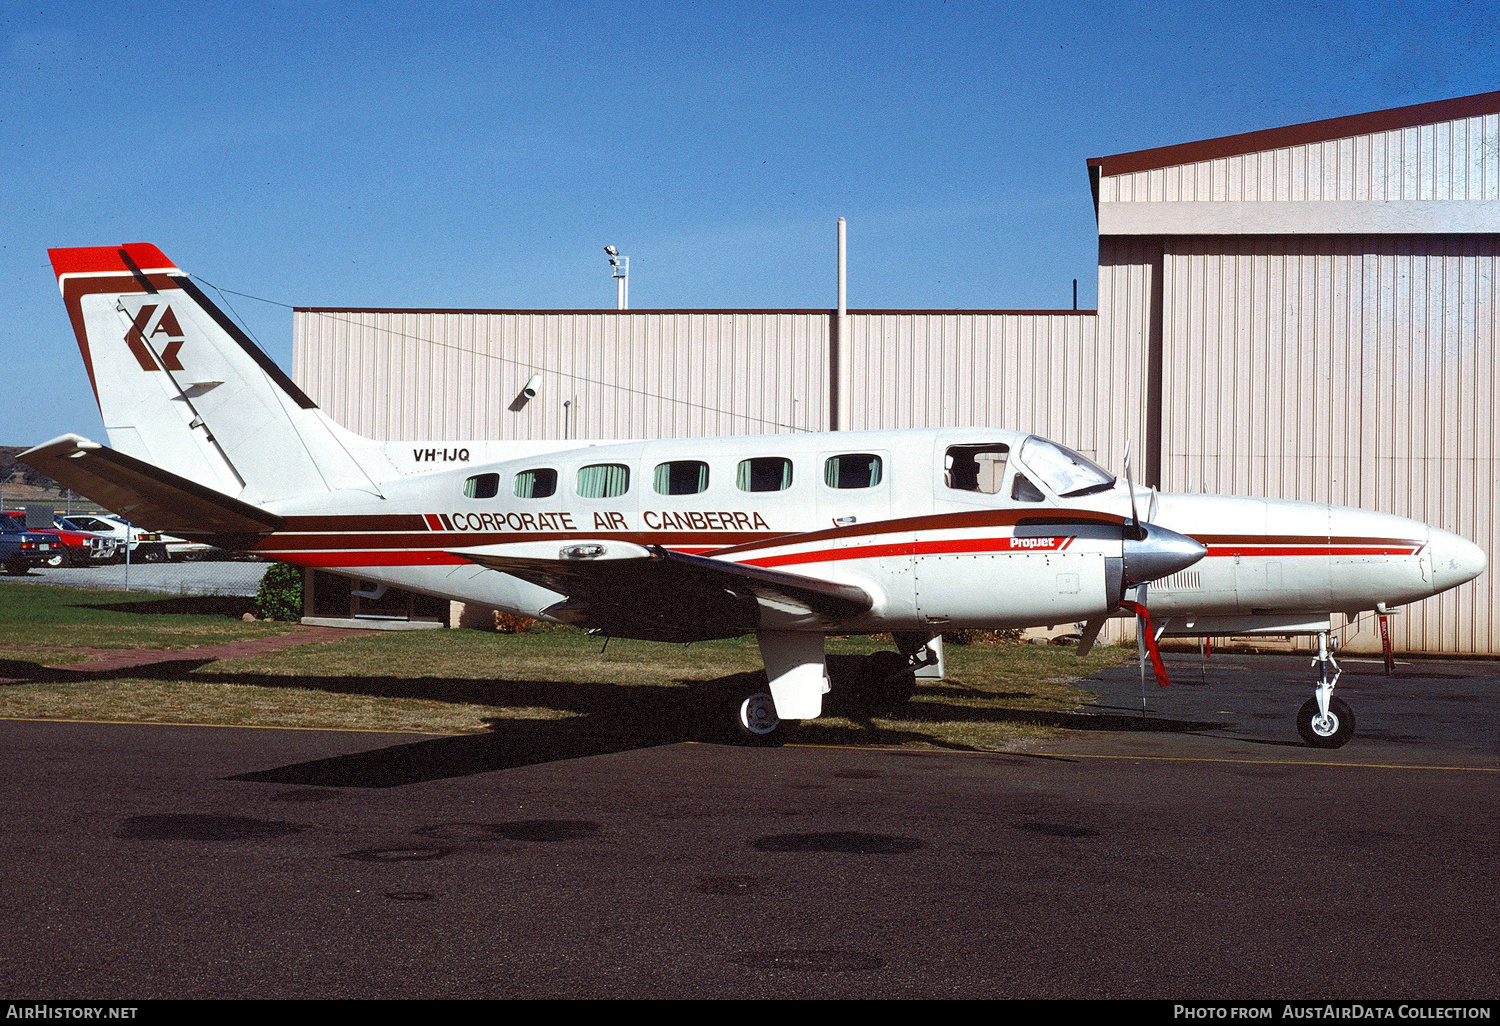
(155, 499)
(655, 594)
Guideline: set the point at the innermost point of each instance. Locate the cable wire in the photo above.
(504, 359)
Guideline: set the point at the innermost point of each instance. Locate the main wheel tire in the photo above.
(1333, 733)
(753, 720)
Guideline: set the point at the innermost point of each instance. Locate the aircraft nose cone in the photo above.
(1455, 560)
(1160, 553)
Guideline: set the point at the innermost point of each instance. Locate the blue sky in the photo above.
(482, 154)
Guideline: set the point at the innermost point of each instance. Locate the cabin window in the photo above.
(681, 477)
(854, 470)
(1022, 490)
(975, 468)
(603, 480)
(536, 484)
(482, 486)
(764, 474)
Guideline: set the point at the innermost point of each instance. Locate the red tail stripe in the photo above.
(100, 259)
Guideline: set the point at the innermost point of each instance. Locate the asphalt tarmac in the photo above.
(1200, 853)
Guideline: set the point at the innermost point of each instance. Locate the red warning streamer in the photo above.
(1151, 650)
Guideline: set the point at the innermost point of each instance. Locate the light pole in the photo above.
(621, 273)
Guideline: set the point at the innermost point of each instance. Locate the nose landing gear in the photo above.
(1325, 721)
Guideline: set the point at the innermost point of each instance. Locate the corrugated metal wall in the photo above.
(1035, 371)
(1352, 370)
(640, 374)
(1449, 160)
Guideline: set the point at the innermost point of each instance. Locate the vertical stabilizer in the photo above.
(180, 386)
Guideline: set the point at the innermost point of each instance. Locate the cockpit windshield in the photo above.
(1063, 470)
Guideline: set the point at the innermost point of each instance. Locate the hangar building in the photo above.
(1307, 312)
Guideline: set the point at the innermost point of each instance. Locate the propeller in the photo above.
(1149, 552)
(1168, 548)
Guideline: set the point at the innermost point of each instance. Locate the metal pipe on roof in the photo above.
(841, 337)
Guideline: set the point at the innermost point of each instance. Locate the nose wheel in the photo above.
(1330, 730)
(1325, 721)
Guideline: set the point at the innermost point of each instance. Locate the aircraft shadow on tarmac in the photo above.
(598, 719)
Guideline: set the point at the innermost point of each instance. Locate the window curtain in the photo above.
(857, 470)
(535, 484)
(681, 477)
(603, 481)
(482, 486)
(766, 474)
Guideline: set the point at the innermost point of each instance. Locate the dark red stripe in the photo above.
(329, 540)
(345, 524)
(939, 522)
(1308, 550)
(385, 558)
(1301, 539)
(903, 548)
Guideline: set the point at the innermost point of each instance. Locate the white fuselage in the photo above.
(934, 555)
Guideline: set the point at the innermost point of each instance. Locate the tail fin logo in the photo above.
(138, 335)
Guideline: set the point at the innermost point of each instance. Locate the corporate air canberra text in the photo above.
(609, 520)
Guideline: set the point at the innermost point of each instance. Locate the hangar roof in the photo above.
(1410, 116)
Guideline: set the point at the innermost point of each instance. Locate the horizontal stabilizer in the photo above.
(660, 595)
(155, 499)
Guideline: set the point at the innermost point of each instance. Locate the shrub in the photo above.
(510, 623)
(280, 594)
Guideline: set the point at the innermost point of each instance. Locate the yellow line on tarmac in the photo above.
(1267, 762)
(1065, 756)
(227, 726)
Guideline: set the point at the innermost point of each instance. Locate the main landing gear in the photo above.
(1325, 721)
(798, 676)
(754, 721)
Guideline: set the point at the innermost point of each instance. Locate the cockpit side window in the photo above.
(975, 468)
(1022, 490)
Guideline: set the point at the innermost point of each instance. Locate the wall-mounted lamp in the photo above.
(528, 392)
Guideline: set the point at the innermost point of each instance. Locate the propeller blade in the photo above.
(1147, 639)
(1091, 634)
(1135, 517)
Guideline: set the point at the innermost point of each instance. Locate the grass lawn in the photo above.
(549, 686)
(42, 618)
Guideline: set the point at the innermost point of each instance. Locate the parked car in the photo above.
(72, 546)
(145, 546)
(20, 549)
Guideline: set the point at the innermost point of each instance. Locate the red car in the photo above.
(73, 548)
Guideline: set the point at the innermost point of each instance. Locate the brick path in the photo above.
(105, 662)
